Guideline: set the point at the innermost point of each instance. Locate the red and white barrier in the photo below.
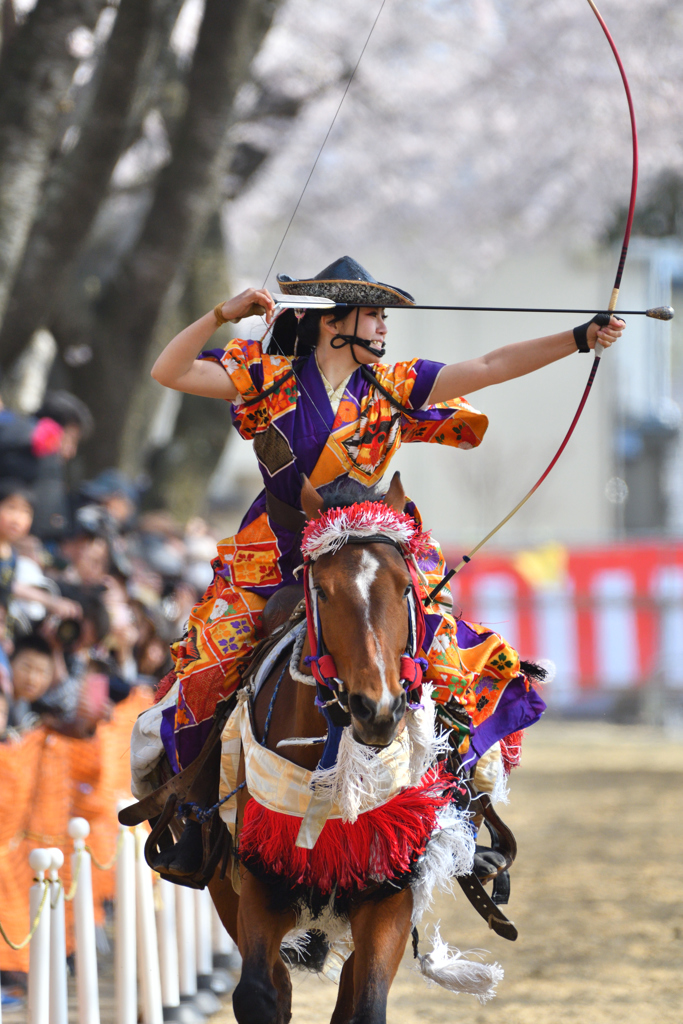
(610, 618)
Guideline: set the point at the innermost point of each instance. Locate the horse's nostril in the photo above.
(399, 706)
(362, 707)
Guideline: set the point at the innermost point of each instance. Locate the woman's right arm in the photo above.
(178, 367)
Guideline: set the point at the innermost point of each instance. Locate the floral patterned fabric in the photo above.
(296, 431)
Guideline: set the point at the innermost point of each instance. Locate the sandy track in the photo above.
(596, 893)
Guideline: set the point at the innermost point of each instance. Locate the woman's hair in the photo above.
(289, 332)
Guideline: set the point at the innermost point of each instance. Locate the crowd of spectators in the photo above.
(91, 590)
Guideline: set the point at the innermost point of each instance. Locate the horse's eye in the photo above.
(406, 592)
(320, 592)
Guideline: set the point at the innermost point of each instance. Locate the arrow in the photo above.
(657, 312)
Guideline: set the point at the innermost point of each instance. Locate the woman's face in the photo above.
(372, 327)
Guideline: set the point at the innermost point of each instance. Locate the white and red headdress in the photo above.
(365, 521)
(362, 521)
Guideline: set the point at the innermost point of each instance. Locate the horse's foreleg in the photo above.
(264, 992)
(380, 932)
(343, 1009)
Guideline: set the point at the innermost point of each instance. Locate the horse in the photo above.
(356, 650)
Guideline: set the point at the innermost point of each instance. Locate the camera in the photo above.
(68, 632)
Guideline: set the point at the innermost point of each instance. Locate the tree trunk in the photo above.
(187, 194)
(34, 80)
(179, 470)
(78, 183)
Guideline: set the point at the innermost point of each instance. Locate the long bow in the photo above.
(612, 305)
(660, 313)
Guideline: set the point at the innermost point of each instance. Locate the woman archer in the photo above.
(319, 402)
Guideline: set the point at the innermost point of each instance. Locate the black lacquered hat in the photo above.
(345, 281)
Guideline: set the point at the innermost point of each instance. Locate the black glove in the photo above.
(581, 333)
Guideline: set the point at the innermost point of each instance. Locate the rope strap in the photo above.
(36, 921)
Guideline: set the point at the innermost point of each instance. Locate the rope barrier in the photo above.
(110, 864)
(36, 921)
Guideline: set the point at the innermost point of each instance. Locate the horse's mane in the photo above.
(350, 492)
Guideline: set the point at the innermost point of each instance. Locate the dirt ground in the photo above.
(597, 894)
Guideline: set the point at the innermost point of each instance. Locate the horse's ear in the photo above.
(311, 501)
(395, 497)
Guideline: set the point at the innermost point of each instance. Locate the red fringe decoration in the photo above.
(164, 685)
(511, 750)
(381, 844)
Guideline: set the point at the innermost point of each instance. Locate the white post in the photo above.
(150, 982)
(223, 947)
(207, 1000)
(168, 949)
(125, 952)
(39, 956)
(202, 909)
(87, 994)
(59, 1007)
(187, 964)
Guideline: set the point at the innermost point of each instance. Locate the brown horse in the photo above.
(362, 598)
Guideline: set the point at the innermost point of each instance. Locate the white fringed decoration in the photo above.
(550, 669)
(357, 782)
(449, 853)
(332, 530)
(336, 930)
(427, 746)
(500, 794)
(447, 967)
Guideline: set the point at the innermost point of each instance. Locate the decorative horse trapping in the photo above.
(386, 809)
(366, 816)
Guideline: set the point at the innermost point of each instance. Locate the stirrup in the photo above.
(216, 845)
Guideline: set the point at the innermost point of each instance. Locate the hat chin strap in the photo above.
(353, 340)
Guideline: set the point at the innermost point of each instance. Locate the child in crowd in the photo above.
(16, 516)
(32, 674)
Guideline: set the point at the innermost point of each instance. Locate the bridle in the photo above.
(332, 697)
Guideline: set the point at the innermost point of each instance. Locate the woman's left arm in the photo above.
(515, 361)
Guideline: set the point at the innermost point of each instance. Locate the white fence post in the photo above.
(225, 957)
(187, 964)
(59, 1004)
(148, 954)
(207, 1000)
(87, 993)
(168, 949)
(125, 950)
(39, 957)
(224, 949)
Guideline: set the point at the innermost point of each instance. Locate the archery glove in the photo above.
(581, 333)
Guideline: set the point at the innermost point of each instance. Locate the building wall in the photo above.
(463, 494)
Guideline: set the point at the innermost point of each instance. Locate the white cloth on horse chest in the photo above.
(282, 786)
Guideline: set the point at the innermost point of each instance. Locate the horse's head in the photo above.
(362, 590)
